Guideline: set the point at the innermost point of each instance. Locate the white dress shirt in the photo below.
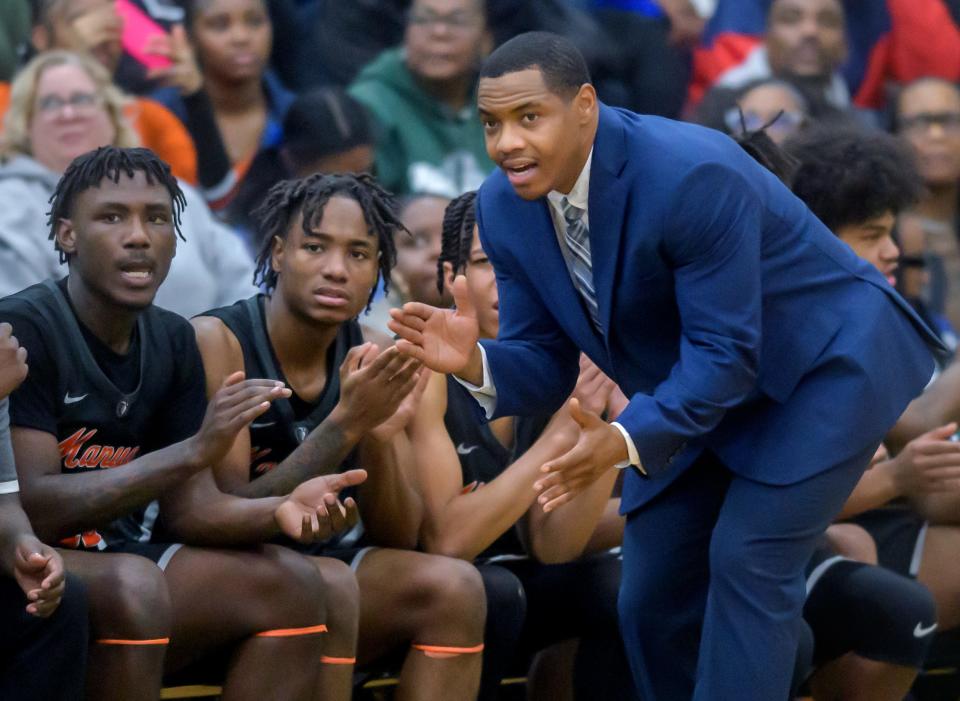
(579, 195)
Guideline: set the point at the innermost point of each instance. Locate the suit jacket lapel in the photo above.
(606, 207)
(550, 275)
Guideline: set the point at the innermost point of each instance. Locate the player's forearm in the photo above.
(468, 524)
(322, 453)
(877, 487)
(14, 525)
(563, 534)
(60, 505)
(390, 503)
(198, 513)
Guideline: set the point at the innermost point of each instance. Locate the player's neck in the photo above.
(111, 324)
(298, 342)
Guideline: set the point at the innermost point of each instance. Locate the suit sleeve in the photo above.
(533, 362)
(713, 243)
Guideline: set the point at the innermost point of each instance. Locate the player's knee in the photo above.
(853, 542)
(134, 595)
(453, 595)
(897, 617)
(288, 588)
(342, 595)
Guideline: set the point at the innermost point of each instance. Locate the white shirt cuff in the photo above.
(633, 457)
(10, 487)
(485, 394)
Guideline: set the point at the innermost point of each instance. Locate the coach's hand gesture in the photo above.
(232, 408)
(13, 361)
(445, 340)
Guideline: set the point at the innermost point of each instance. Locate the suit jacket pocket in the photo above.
(792, 344)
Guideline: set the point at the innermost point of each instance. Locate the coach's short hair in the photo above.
(561, 63)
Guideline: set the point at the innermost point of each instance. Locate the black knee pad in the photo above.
(871, 611)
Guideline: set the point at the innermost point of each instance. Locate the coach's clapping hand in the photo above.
(13, 361)
(373, 383)
(312, 513)
(928, 463)
(232, 408)
(445, 340)
(38, 569)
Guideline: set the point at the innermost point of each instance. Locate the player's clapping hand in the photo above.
(13, 361)
(232, 408)
(442, 339)
(929, 463)
(313, 512)
(38, 569)
(400, 419)
(373, 384)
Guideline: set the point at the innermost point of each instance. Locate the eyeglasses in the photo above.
(81, 102)
(921, 123)
(455, 21)
(785, 123)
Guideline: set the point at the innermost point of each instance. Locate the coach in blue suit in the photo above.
(764, 360)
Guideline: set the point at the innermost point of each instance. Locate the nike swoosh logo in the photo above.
(67, 399)
(921, 632)
(465, 449)
(262, 424)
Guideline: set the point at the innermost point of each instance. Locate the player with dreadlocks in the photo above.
(328, 239)
(113, 438)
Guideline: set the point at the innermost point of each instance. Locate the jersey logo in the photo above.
(921, 632)
(95, 456)
(67, 399)
(88, 540)
(466, 449)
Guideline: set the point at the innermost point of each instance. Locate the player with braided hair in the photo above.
(327, 241)
(113, 438)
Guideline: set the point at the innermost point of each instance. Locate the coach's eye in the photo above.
(530, 117)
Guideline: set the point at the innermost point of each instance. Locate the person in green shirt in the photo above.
(422, 98)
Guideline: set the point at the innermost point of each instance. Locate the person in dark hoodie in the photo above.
(421, 96)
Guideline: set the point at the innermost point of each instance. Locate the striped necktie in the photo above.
(577, 237)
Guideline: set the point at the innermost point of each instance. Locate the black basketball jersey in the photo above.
(277, 432)
(105, 409)
(482, 456)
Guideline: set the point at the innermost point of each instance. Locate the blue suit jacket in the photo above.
(733, 318)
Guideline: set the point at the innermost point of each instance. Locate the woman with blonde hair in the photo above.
(63, 105)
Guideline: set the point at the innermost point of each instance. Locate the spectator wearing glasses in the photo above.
(770, 102)
(927, 116)
(421, 96)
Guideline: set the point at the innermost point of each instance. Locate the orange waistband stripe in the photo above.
(292, 632)
(442, 651)
(120, 641)
(324, 659)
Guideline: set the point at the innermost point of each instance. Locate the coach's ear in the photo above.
(276, 255)
(585, 102)
(66, 237)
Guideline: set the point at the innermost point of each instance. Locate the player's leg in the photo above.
(763, 539)
(434, 604)
(43, 659)
(866, 620)
(852, 542)
(342, 594)
(268, 603)
(665, 579)
(129, 623)
(940, 572)
(506, 612)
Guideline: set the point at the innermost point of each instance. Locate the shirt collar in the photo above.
(580, 193)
